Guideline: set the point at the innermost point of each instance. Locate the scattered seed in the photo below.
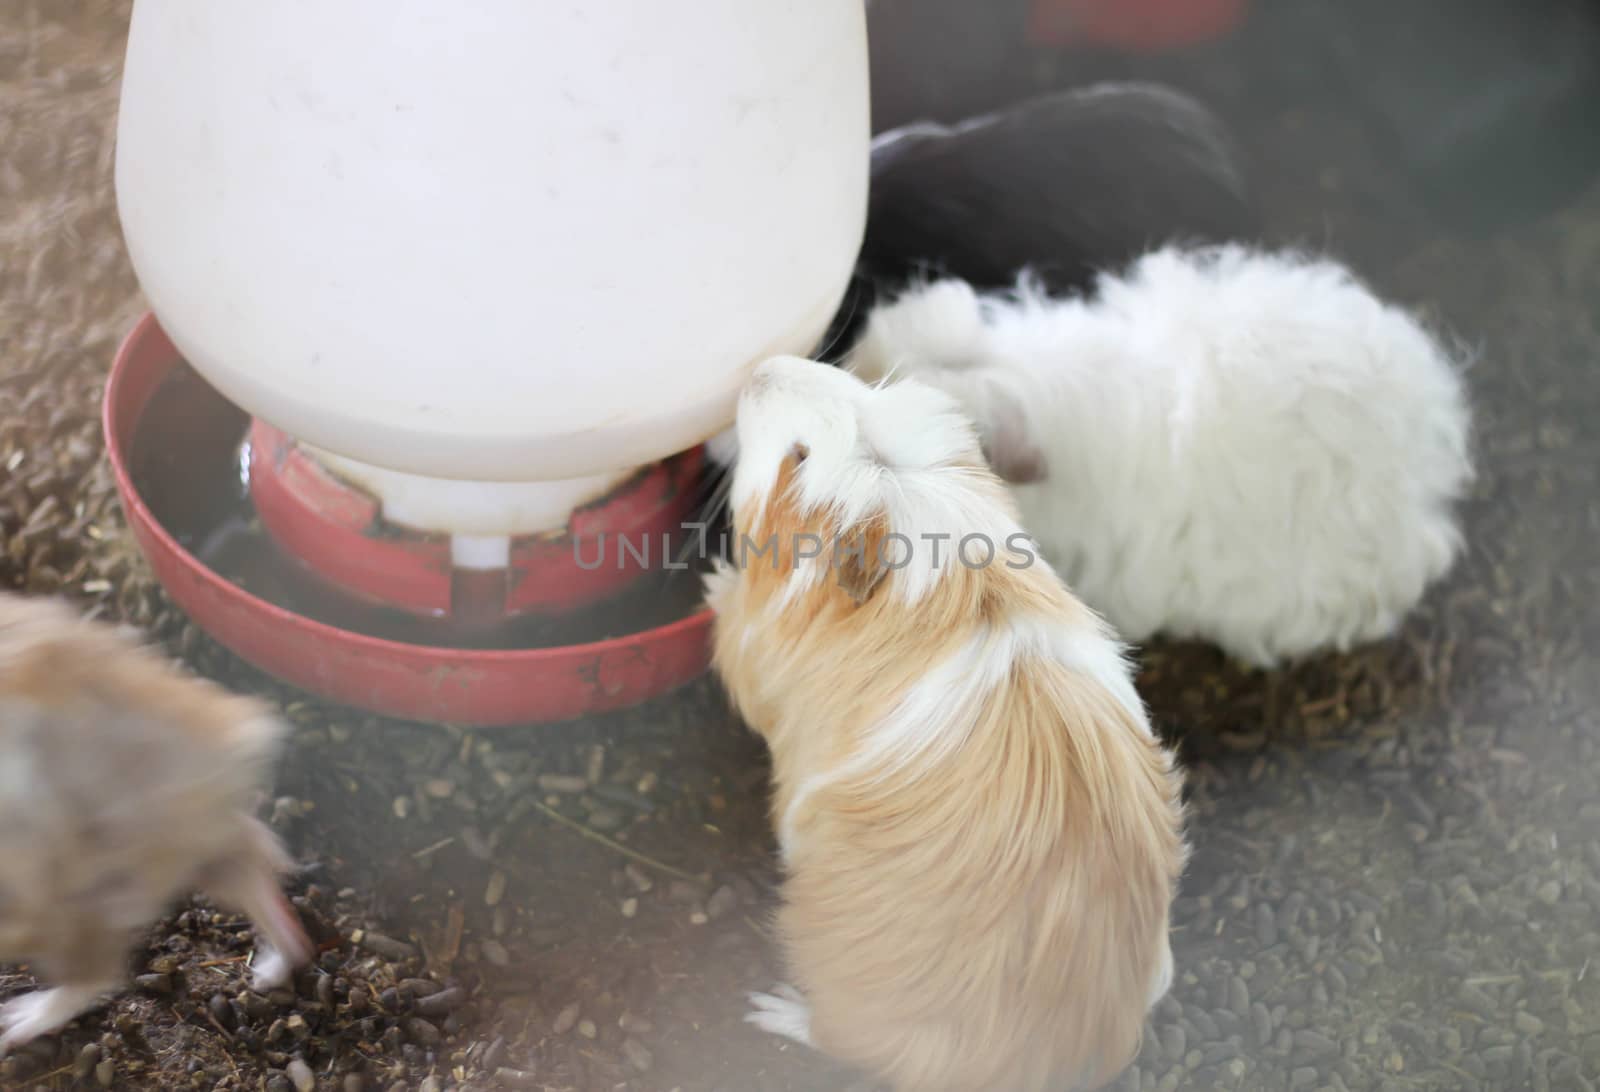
(1266, 926)
(475, 844)
(624, 796)
(154, 983)
(1315, 1044)
(387, 947)
(495, 1053)
(442, 1003)
(682, 891)
(629, 1022)
(1262, 1023)
(496, 889)
(422, 1032)
(1238, 996)
(83, 1065)
(1476, 1000)
(724, 900)
(638, 1055)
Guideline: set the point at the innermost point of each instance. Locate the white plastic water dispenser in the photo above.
(488, 257)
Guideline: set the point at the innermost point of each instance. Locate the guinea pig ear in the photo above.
(1009, 445)
(1015, 459)
(860, 565)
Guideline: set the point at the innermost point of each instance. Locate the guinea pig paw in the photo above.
(272, 970)
(782, 1012)
(43, 1012)
(717, 583)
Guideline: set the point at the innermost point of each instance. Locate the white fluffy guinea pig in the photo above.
(981, 834)
(1242, 447)
(124, 784)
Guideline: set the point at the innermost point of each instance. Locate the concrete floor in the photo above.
(1397, 877)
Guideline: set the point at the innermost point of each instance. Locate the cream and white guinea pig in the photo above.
(981, 834)
(1241, 447)
(124, 785)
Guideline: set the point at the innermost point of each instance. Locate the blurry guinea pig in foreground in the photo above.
(1240, 447)
(981, 834)
(124, 785)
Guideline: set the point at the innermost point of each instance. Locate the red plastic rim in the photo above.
(336, 531)
(413, 682)
(1137, 26)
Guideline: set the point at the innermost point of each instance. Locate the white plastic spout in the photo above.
(483, 553)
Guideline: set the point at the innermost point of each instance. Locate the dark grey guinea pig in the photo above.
(1068, 184)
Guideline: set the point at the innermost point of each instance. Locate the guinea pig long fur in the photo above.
(1065, 184)
(1246, 448)
(981, 834)
(123, 786)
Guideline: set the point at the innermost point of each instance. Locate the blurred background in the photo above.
(1478, 112)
